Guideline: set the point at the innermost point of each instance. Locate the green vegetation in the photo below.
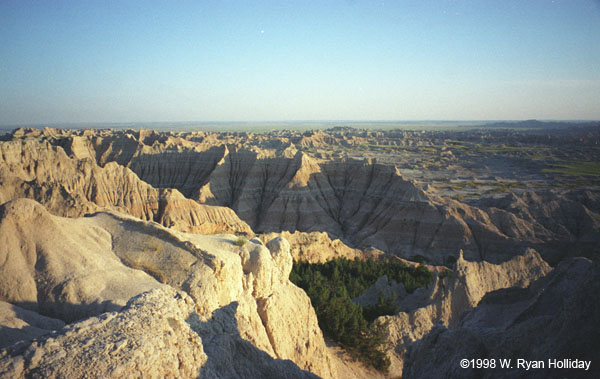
(496, 186)
(419, 258)
(331, 287)
(458, 145)
(493, 149)
(580, 168)
(450, 261)
(240, 241)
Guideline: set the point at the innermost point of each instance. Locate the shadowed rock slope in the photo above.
(215, 307)
(556, 317)
(446, 299)
(274, 188)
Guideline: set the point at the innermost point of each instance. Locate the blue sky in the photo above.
(136, 61)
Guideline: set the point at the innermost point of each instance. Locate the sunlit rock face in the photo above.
(131, 272)
(220, 302)
(273, 187)
(71, 187)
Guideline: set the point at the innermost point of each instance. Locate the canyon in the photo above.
(163, 253)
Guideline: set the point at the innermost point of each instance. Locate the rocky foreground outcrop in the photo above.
(62, 268)
(554, 318)
(216, 307)
(446, 299)
(156, 335)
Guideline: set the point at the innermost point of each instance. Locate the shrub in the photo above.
(331, 287)
(383, 307)
(450, 261)
(240, 241)
(419, 258)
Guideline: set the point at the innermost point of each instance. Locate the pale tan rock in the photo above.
(18, 324)
(284, 311)
(73, 187)
(349, 367)
(230, 356)
(112, 257)
(318, 247)
(69, 187)
(157, 335)
(186, 215)
(445, 300)
(280, 253)
(149, 338)
(63, 268)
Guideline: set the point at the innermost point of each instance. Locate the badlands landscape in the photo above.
(141, 253)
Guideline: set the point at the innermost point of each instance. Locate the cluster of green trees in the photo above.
(331, 287)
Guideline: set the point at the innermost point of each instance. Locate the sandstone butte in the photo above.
(137, 287)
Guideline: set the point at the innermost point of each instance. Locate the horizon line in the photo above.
(52, 124)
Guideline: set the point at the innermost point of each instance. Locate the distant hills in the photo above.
(536, 124)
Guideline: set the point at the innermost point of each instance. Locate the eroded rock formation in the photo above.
(554, 318)
(73, 187)
(70, 269)
(225, 302)
(274, 187)
(157, 335)
(445, 300)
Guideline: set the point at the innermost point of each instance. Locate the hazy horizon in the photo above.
(300, 125)
(279, 62)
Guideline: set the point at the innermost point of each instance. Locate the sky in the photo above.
(169, 61)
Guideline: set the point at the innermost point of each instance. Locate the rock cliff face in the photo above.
(565, 224)
(445, 300)
(72, 187)
(554, 318)
(318, 247)
(274, 188)
(44, 270)
(238, 311)
(361, 202)
(177, 212)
